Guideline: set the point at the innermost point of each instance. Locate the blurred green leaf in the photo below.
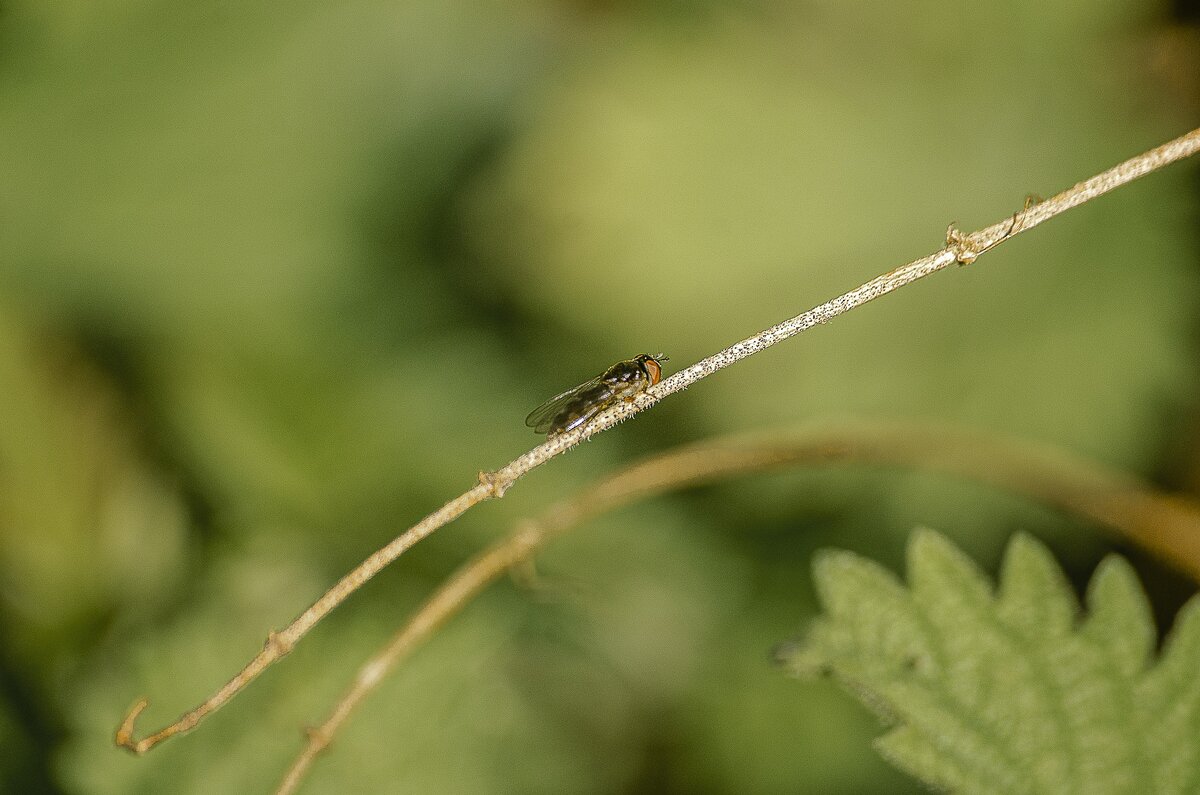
(87, 524)
(20, 757)
(244, 199)
(1008, 692)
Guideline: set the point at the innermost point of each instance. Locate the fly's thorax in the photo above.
(625, 372)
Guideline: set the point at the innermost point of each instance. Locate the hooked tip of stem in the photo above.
(124, 735)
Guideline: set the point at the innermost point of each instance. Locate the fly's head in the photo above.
(651, 366)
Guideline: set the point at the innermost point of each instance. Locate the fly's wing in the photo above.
(578, 418)
(541, 418)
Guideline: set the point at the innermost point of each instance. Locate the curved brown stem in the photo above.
(1163, 524)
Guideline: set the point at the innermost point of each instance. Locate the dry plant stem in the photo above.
(1165, 525)
(280, 643)
(960, 248)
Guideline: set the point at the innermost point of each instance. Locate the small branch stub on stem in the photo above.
(496, 484)
(964, 247)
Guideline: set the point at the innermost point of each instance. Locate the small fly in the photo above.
(577, 405)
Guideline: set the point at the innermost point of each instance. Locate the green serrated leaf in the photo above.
(1170, 692)
(873, 599)
(1019, 699)
(964, 747)
(911, 750)
(1119, 615)
(938, 569)
(1034, 594)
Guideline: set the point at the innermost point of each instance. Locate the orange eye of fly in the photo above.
(654, 370)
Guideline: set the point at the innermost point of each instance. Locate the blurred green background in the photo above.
(277, 279)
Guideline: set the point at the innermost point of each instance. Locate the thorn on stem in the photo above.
(278, 644)
(317, 737)
(525, 575)
(496, 484)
